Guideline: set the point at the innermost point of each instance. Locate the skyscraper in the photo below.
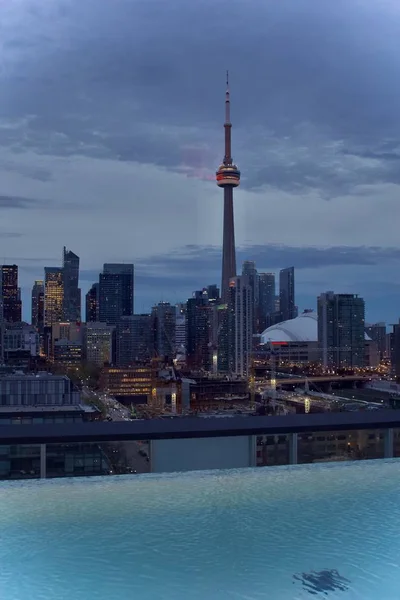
(142, 337)
(163, 317)
(92, 304)
(37, 315)
(266, 298)
(115, 293)
(213, 292)
(198, 331)
(10, 300)
(53, 295)
(228, 177)
(124, 342)
(221, 338)
(72, 293)
(341, 330)
(240, 325)
(377, 333)
(395, 351)
(180, 329)
(250, 271)
(134, 340)
(287, 304)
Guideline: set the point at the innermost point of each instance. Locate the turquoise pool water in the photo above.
(289, 533)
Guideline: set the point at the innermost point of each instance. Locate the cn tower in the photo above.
(228, 177)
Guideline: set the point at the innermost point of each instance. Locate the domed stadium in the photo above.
(303, 328)
(296, 340)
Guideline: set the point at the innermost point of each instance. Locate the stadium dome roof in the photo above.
(303, 328)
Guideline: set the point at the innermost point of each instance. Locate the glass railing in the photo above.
(202, 450)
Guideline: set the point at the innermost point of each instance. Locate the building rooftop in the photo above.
(39, 375)
(63, 408)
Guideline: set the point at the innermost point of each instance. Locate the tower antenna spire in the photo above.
(227, 101)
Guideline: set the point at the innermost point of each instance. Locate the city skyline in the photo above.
(316, 136)
(144, 304)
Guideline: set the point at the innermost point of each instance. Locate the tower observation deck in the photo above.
(228, 177)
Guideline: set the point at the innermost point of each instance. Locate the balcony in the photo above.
(230, 531)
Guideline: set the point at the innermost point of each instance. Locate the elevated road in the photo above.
(322, 379)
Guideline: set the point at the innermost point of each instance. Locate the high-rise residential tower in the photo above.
(287, 304)
(142, 337)
(341, 330)
(92, 304)
(395, 351)
(198, 331)
(53, 295)
(10, 295)
(266, 298)
(250, 271)
(98, 343)
(180, 329)
(377, 333)
(163, 318)
(115, 293)
(228, 177)
(72, 293)
(213, 292)
(240, 325)
(37, 315)
(134, 340)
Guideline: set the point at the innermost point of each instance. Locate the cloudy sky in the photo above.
(111, 117)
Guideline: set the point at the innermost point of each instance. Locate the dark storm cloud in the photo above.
(43, 175)
(375, 155)
(112, 80)
(35, 259)
(315, 96)
(9, 234)
(7, 202)
(192, 265)
(207, 259)
(201, 261)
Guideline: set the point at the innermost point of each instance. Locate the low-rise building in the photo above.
(46, 398)
(129, 385)
(216, 393)
(40, 389)
(19, 344)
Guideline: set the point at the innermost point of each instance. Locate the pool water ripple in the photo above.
(288, 533)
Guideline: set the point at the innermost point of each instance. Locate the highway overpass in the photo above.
(301, 380)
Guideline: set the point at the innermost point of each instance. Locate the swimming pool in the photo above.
(287, 533)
